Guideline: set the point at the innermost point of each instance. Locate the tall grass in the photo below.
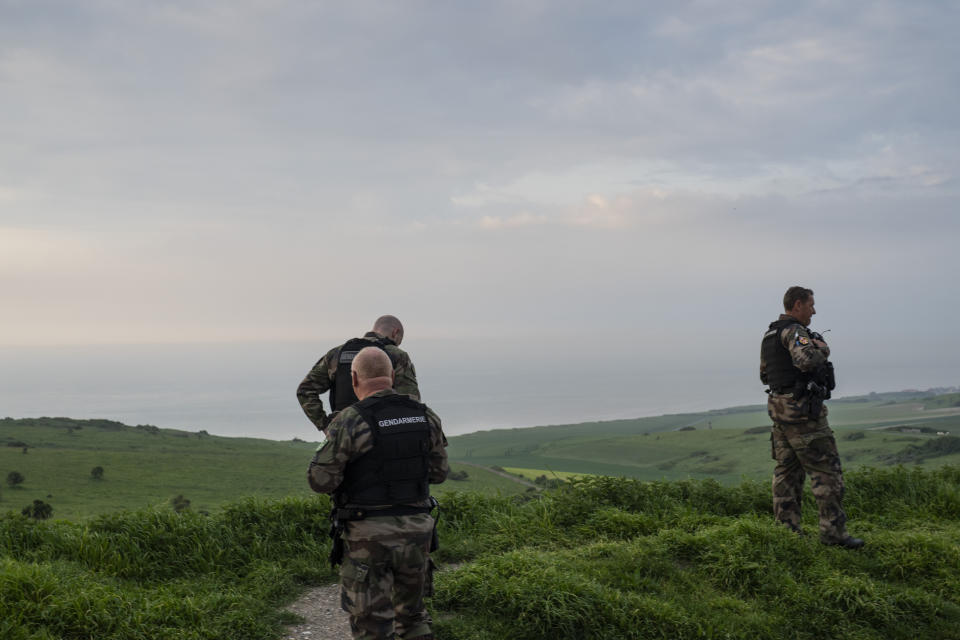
(159, 574)
(621, 559)
(600, 558)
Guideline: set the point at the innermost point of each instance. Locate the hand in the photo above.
(820, 344)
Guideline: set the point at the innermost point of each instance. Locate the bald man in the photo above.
(332, 372)
(381, 455)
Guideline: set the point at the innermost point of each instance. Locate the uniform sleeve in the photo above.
(326, 470)
(805, 354)
(405, 376)
(317, 382)
(439, 467)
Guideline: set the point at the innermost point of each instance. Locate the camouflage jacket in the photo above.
(349, 437)
(320, 378)
(806, 356)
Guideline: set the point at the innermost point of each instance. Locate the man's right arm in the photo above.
(804, 353)
(329, 463)
(317, 381)
(405, 376)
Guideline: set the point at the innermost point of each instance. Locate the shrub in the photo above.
(15, 478)
(39, 510)
(97, 473)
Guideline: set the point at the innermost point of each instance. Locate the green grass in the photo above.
(144, 467)
(611, 558)
(622, 559)
(160, 574)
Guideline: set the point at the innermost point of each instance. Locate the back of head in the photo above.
(370, 363)
(795, 294)
(389, 326)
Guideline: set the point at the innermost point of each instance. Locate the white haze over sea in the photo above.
(248, 389)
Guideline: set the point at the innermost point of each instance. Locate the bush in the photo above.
(15, 479)
(39, 510)
(97, 473)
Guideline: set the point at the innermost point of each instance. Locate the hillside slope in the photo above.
(726, 444)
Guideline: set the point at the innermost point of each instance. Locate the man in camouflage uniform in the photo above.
(380, 456)
(332, 372)
(794, 363)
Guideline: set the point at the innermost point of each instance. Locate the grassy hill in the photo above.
(727, 444)
(599, 559)
(145, 465)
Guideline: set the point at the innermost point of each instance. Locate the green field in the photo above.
(694, 556)
(146, 465)
(727, 445)
(150, 466)
(533, 474)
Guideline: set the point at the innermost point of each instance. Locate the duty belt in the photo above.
(345, 514)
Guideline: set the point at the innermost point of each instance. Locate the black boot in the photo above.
(847, 542)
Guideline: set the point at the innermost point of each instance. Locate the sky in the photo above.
(567, 183)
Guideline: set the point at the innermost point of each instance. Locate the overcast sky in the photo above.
(651, 176)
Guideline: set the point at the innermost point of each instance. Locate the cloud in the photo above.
(523, 219)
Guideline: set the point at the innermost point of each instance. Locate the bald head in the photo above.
(390, 327)
(371, 371)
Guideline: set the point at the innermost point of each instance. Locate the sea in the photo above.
(248, 389)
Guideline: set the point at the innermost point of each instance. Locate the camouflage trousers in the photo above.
(384, 576)
(801, 449)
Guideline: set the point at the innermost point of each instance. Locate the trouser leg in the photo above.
(822, 462)
(366, 581)
(788, 479)
(411, 563)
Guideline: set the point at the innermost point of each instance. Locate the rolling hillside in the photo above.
(145, 465)
(725, 444)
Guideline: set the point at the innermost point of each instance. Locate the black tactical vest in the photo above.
(396, 470)
(341, 390)
(781, 374)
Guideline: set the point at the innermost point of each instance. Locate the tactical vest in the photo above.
(396, 470)
(781, 374)
(341, 390)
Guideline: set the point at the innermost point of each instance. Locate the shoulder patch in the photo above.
(802, 340)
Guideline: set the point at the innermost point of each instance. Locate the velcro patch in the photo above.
(802, 341)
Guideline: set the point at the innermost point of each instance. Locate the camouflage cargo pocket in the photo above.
(354, 587)
(819, 440)
(783, 409)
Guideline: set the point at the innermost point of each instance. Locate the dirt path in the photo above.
(504, 474)
(320, 606)
(325, 620)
